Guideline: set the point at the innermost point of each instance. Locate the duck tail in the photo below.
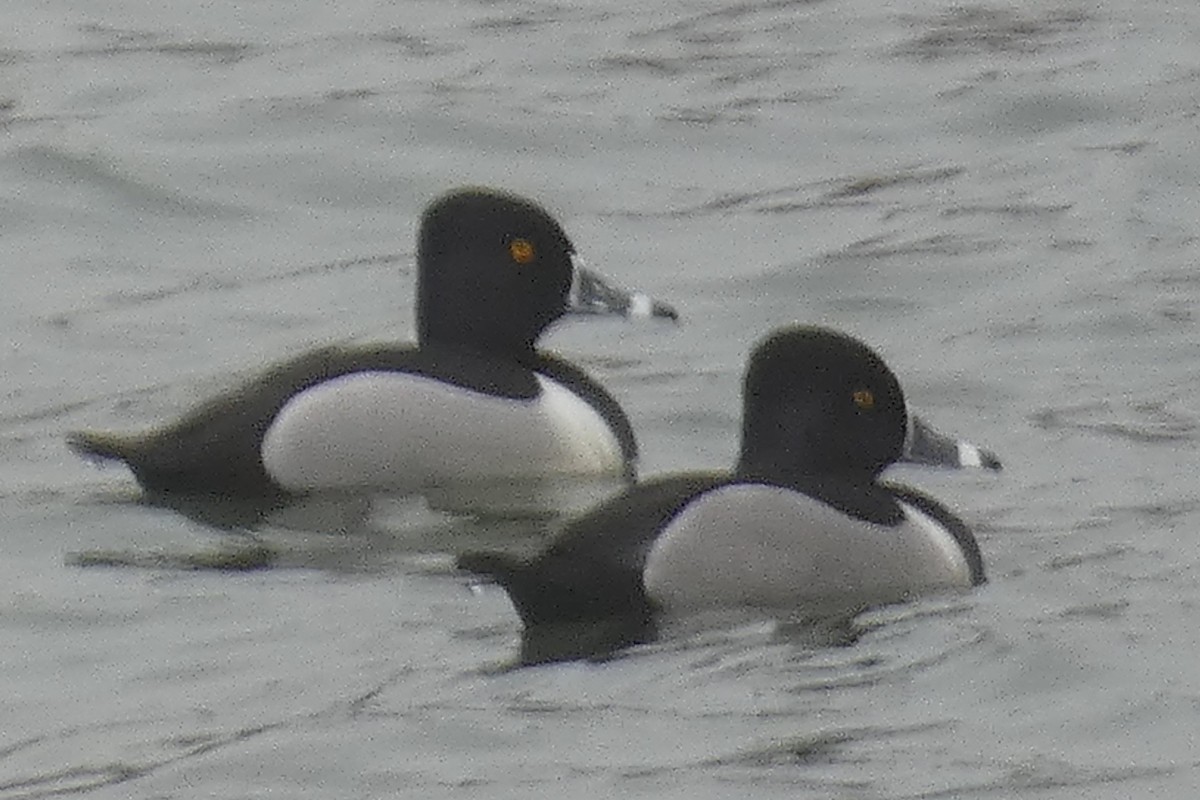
(509, 572)
(560, 624)
(104, 446)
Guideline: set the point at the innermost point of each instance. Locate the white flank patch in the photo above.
(771, 547)
(395, 431)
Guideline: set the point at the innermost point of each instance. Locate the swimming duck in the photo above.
(472, 399)
(802, 523)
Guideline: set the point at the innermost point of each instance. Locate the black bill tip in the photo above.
(924, 445)
(592, 294)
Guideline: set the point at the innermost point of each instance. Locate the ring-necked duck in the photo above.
(473, 399)
(801, 524)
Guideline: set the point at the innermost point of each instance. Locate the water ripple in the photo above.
(1142, 422)
(81, 779)
(975, 30)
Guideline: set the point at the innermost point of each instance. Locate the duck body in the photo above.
(406, 418)
(802, 524)
(686, 544)
(472, 399)
(760, 545)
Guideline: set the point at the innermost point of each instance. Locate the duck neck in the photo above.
(498, 347)
(782, 467)
(522, 353)
(854, 492)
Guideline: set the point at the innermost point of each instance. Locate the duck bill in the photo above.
(924, 445)
(593, 294)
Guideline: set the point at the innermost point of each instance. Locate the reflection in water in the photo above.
(359, 532)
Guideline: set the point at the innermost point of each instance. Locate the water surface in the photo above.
(1001, 197)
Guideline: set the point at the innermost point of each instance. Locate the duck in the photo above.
(473, 399)
(801, 524)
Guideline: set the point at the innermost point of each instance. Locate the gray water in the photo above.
(1001, 197)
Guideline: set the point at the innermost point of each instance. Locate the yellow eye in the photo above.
(864, 399)
(521, 250)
